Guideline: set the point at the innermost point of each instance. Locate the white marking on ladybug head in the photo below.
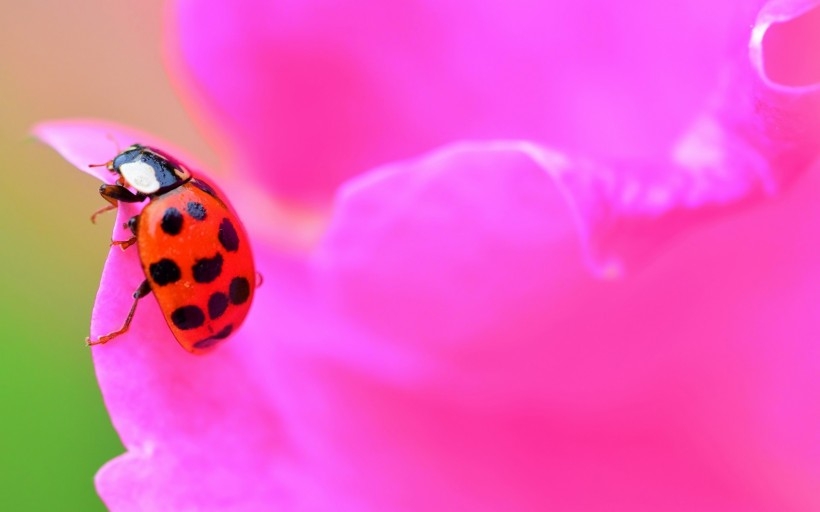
(141, 176)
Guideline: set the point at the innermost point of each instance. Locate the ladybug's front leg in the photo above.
(143, 290)
(114, 194)
(132, 226)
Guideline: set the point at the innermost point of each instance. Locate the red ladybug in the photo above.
(192, 246)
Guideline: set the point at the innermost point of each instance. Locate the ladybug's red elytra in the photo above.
(193, 248)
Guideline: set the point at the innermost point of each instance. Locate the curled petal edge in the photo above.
(777, 11)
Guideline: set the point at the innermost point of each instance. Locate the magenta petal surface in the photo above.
(488, 370)
(88, 143)
(446, 348)
(466, 334)
(301, 95)
(162, 400)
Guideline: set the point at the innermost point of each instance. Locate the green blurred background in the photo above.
(64, 59)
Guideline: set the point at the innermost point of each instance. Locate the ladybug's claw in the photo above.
(124, 244)
(102, 339)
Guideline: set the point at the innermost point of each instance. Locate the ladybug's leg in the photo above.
(132, 226)
(114, 194)
(143, 290)
(104, 209)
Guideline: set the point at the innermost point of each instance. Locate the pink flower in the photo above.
(495, 314)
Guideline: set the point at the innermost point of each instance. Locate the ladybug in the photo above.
(193, 248)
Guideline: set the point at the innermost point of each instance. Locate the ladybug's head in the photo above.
(149, 171)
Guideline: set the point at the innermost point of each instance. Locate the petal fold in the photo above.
(522, 380)
(446, 336)
(449, 344)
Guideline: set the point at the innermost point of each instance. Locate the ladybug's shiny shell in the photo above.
(192, 246)
(198, 263)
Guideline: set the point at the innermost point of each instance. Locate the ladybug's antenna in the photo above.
(110, 137)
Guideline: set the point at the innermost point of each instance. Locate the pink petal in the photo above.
(788, 28)
(446, 349)
(529, 385)
(85, 142)
(157, 394)
(301, 95)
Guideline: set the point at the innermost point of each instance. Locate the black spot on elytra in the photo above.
(228, 236)
(164, 272)
(217, 305)
(188, 317)
(207, 269)
(196, 210)
(239, 290)
(216, 338)
(171, 221)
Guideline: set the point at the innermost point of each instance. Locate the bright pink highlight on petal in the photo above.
(467, 334)
(306, 94)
